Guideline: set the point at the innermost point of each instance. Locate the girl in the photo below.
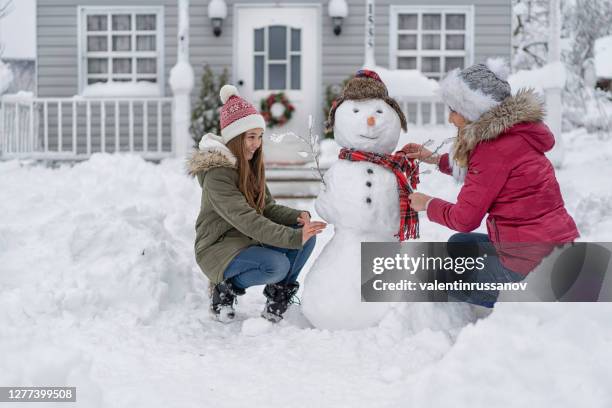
(243, 238)
(499, 154)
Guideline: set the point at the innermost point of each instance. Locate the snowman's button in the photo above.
(370, 171)
(368, 200)
(369, 184)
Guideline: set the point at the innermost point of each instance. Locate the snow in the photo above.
(332, 290)
(6, 77)
(337, 8)
(499, 66)
(407, 82)
(603, 57)
(121, 89)
(18, 30)
(21, 96)
(549, 76)
(80, 304)
(181, 77)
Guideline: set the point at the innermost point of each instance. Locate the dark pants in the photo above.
(494, 271)
(261, 265)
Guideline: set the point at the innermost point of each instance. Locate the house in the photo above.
(292, 46)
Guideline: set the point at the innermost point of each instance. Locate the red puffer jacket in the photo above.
(510, 178)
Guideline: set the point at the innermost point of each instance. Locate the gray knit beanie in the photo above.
(476, 89)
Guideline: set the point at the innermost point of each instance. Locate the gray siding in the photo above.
(58, 76)
(57, 39)
(57, 65)
(341, 55)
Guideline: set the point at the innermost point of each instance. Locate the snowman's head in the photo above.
(369, 125)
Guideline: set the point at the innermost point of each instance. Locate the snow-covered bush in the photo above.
(6, 77)
(205, 114)
(583, 22)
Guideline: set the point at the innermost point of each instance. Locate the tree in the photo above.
(205, 114)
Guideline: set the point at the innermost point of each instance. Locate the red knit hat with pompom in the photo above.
(237, 115)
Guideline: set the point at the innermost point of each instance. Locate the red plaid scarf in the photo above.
(402, 168)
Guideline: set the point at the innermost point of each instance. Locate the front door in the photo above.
(277, 50)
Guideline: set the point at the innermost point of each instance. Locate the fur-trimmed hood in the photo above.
(526, 107)
(211, 153)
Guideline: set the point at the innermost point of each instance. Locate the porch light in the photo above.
(217, 12)
(338, 11)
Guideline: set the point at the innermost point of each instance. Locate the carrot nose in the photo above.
(371, 121)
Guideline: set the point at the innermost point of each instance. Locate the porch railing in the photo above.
(75, 128)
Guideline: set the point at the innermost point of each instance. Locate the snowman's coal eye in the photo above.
(355, 110)
(379, 111)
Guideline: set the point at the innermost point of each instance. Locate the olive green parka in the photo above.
(227, 223)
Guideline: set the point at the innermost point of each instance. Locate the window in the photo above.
(433, 40)
(278, 58)
(121, 44)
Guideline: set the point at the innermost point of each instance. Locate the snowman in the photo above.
(361, 198)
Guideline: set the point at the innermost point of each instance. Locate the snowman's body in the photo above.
(361, 200)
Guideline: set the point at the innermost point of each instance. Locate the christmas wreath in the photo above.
(276, 109)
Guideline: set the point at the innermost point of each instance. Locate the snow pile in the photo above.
(603, 57)
(21, 96)
(121, 89)
(549, 76)
(407, 82)
(32, 364)
(99, 249)
(81, 305)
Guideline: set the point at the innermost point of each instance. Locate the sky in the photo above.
(18, 30)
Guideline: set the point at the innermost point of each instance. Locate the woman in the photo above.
(243, 238)
(499, 154)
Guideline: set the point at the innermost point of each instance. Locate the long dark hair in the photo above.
(251, 173)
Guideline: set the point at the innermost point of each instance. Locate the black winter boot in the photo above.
(279, 297)
(222, 298)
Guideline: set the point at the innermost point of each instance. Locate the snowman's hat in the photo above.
(365, 84)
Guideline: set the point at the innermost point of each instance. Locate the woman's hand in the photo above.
(303, 218)
(419, 152)
(418, 201)
(311, 229)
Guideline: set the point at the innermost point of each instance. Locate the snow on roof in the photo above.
(18, 31)
(549, 76)
(404, 82)
(118, 89)
(603, 57)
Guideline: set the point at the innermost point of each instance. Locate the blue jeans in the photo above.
(261, 265)
(493, 272)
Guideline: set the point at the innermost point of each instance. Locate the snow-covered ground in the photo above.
(99, 289)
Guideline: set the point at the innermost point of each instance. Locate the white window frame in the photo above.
(287, 61)
(84, 11)
(394, 53)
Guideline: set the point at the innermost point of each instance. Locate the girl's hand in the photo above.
(303, 218)
(418, 201)
(311, 229)
(419, 152)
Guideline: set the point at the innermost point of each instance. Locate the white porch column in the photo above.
(554, 105)
(370, 61)
(181, 81)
